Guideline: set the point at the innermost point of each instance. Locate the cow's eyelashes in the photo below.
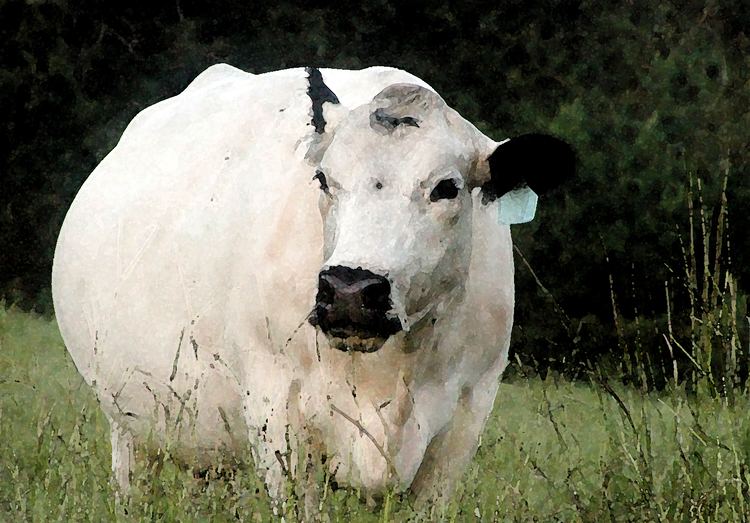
(445, 190)
(323, 182)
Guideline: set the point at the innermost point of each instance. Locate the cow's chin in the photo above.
(354, 342)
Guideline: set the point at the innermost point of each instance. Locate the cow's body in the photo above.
(186, 271)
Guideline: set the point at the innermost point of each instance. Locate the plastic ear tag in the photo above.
(517, 206)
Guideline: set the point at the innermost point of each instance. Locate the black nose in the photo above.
(354, 302)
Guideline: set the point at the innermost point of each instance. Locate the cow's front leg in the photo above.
(291, 466)
(123, 457)
(272, 462)
(449, 454)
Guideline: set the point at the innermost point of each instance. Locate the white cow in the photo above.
(299, 264)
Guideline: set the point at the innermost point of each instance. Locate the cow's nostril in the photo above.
(326, 292)
(376, 296)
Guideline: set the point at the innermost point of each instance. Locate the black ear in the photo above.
(538, 161)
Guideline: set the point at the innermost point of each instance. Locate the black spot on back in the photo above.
(319, 93)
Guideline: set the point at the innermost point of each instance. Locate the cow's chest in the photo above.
(373, 428)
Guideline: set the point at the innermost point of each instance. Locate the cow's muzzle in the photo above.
(353, 308)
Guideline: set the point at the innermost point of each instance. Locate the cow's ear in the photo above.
(537, 161)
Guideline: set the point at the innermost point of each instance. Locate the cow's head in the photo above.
(396, 179)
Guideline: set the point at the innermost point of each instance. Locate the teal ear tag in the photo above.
(517, 206)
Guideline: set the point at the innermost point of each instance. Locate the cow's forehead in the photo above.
(408, 148)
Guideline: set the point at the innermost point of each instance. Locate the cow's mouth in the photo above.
(358, 337)
(356, 343)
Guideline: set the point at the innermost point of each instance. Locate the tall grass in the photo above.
(705, 311)
(718, 361)
(553, 450)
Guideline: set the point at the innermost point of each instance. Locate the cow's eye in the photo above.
(323, 182)
(445, 190)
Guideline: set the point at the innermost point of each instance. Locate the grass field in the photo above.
(553, 451)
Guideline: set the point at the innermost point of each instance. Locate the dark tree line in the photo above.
(651, 94)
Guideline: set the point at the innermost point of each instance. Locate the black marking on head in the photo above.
(319, 93)
(390, 122)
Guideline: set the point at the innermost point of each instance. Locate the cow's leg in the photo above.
(272, 458)
(449, 454)
(123, 456)
(290, 453)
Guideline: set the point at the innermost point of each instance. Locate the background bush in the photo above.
(651, 95)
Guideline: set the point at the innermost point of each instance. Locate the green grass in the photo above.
(553, 451)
